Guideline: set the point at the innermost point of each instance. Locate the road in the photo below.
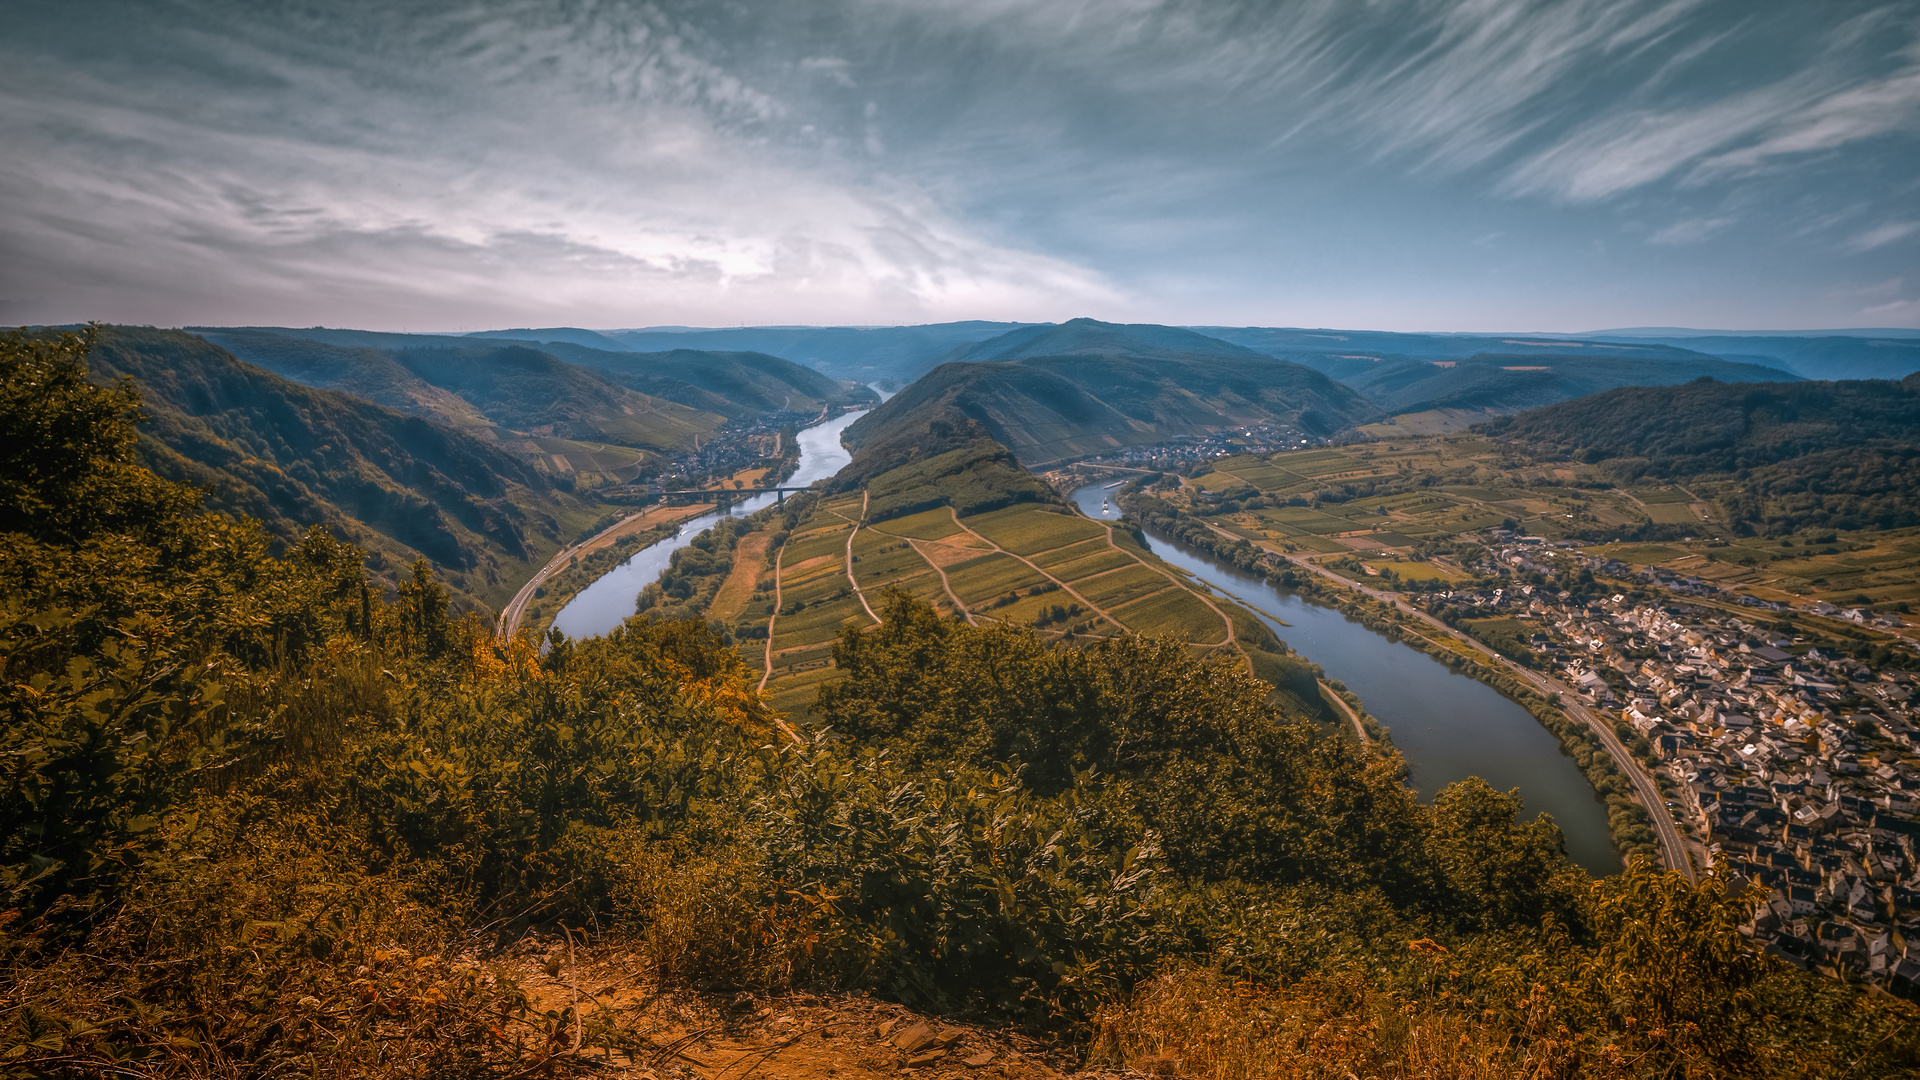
(1358, 728)
(1673, 848)
(516, 609)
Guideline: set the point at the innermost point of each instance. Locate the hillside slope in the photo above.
(1511, 382)
(293, 456)
(480, 383)
(1416, 372)
(891, 355)
(1834, 356)
(1054, 393)
(730, 384)
(1781, 456)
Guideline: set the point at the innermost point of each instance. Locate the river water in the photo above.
(611, 600)
(1446, 725)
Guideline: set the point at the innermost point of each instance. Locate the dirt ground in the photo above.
(732, 1036)
(749, 560)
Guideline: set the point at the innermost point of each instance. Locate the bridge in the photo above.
(723, 496)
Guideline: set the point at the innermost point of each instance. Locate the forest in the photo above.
(261, 815)
(1785, 456)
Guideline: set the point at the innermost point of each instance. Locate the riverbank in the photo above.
(611, 598)
(567, 576)
(1626, 822)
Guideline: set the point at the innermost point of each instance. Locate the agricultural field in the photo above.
(1030, 564)
(589, 463)
(1383, 500)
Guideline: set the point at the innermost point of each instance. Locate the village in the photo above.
(1266, 437)
(1797, 767)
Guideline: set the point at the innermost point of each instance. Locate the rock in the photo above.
(921, 1061)
(978, 1061)
(916, 1038)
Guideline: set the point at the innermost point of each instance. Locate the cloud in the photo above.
(1823, 106)
(506, 163)
(875, 160)
(1690, 231)
(1883, 235)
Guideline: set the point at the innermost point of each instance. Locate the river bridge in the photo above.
(722, 496)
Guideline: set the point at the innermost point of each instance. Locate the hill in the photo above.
(1794, 455)
(1055, 393)
(1409, 373)
(1511, 382)
(483, 383)
(735, 385)
(305, 829)
(293, 456)
(891, 356)
(1826, 356)
(361, 370)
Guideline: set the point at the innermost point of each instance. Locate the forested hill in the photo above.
(1825, 356)
(293, 456)
(1840, 454)
(1059, 392)
(1406, 373)
(731, 384)
(561, 388)
(260, 820)
(474, 384)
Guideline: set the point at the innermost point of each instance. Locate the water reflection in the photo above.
(1447, 725)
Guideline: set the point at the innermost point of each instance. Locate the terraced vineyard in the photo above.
(1030, 564)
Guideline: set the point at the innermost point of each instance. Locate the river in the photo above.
(1446, 725)
(611, 599)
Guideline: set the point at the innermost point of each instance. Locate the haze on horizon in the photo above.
(1392, 164)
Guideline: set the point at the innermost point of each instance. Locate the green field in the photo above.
(1026, 529)
(1175, 611)
(926, 525)
(1110, 590)
(979, 580)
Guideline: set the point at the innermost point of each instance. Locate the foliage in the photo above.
(972, 479)
(1054, 393)
(257, 819)
(1805, 455)
(292, 457)
(695, 572)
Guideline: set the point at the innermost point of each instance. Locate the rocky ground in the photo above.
(730, 1035)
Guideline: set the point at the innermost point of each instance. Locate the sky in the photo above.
(1548, 165)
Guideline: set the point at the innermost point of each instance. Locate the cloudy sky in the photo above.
(1396, 164)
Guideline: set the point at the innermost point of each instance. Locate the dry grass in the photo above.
(1201, 1025)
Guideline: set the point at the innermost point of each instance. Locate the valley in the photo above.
(1249, 630)
(960, 541)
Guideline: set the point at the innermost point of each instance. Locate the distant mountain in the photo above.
(1416, 372)
(589, 392)
(891, 356)
(1688, 332)
(1830, 356)
(292, 455)
(1511, 382)
(361, 370)
(1054, 393)
(1783, 455)
(510, 387)
(571, 335)
(730, 384)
